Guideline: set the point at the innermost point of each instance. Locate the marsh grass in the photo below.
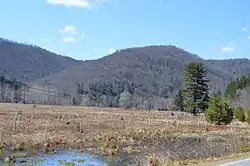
(114, 132)
(2, 147)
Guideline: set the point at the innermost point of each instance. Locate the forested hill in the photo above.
(238, 91)
(28, 62)
(240, 83)
(142, 71)
(151, 70)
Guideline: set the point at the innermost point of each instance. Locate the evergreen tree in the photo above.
(179, 101)
(239, 114)
(219, 92)
(219, 111)
(248, 81)
(231, 89)
(196, 87)
(2, 83)
(233, 86)
(16, 86)
(75, 101)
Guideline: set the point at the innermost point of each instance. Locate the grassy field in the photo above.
(135, 137)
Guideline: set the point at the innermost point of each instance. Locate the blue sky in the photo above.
(89, 29)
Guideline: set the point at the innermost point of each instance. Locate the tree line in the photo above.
(118, 93)
(218, 109)
(239, 83)
(124, 94)
(195, 94)
(13, 90)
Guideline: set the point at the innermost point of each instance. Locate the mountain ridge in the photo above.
(151, 68)
(30, 62)
(136, 61)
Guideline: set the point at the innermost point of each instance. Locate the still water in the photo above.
(58, 159)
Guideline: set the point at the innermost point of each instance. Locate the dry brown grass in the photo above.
(102, 130)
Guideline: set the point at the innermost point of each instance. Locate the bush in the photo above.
(240, 114)
(218, 111)
(248, 116)
(153, 160)
(248, 119)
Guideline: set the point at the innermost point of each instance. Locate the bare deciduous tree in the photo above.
(243, 98)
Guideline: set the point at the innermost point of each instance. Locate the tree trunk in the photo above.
(2, 92)
(194, 111)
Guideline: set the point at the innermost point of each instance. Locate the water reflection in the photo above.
(58, 159)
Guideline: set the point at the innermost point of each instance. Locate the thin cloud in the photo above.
(46, 40)
(248, 37)
(112, 50)
(68, 29)
(68, 39)
(229, 47)
(244, 28)
(100, 1)
(70, 3)
(108, 51)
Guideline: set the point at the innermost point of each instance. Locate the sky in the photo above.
(90, 29)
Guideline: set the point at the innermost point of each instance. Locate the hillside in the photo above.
(154, 70)
(27, 62)
(142, 71)
(237, 67)
(239, 91)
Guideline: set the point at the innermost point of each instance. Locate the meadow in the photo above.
(127, 136)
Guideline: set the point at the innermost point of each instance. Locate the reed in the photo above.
(14, 125)
(1, 136)
(45, 132)
(2, 148)
(80, 130)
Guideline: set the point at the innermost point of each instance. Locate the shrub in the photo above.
(153, 161)
(248, 116)
(218, 111)
(240, 114)
(248, 119)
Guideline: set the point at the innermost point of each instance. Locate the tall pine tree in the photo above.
(196, 87)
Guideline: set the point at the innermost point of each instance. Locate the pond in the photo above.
(66, 158)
